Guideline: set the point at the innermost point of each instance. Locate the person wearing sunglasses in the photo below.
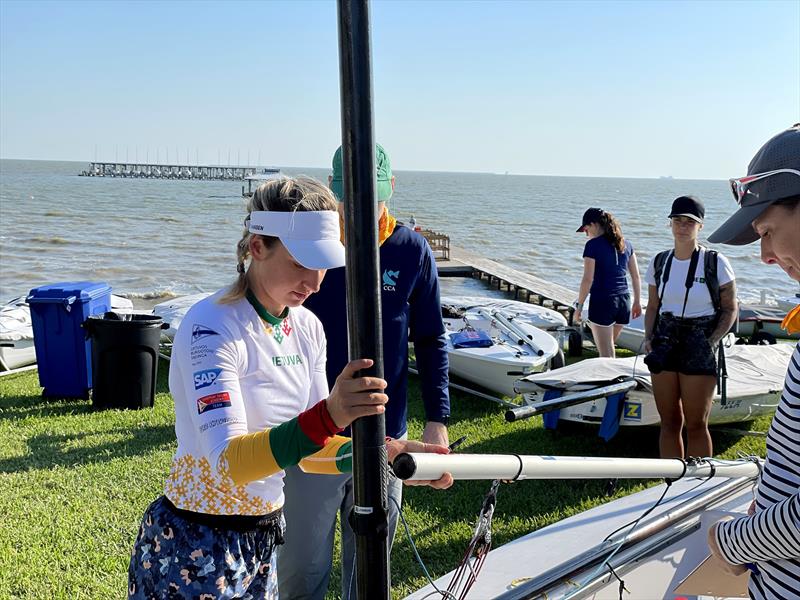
(691, 306)
(251, 399)
(767, 541)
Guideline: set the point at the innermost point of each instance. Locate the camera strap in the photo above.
(690, 277)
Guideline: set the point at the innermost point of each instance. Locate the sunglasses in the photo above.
(739, 186)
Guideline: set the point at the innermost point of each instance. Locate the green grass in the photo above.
(74, 484)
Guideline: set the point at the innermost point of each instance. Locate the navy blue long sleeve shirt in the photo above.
(410, 307)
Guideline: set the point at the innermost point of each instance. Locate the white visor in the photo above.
(311, 237)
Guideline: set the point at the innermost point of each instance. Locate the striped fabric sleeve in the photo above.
(771, 534)
(258, 455)
(335, 457)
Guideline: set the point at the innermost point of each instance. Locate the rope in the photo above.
(442, 593)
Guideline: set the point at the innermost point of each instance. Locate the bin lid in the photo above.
(69, 292)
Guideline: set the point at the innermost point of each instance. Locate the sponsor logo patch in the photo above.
(217, 422)
(632, 411)
(390, 280)
(287, 361)
(213, 401)
(205, 378)
(201, 331)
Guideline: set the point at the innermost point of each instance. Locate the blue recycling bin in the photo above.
(63, 350)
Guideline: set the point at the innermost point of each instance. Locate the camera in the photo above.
(663, 342)
(656, 359)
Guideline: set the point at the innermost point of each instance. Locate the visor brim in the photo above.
(316, 254)
(738, 229)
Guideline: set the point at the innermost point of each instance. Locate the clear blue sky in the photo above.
(641, 89)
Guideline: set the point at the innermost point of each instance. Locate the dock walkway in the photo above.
(525, 287)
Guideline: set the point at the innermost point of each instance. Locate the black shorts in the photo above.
(610, 310)
(682, 345)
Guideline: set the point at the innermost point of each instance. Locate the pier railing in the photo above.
(171, 171)
(439, 243)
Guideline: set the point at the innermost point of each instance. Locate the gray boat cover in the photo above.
(751, 370)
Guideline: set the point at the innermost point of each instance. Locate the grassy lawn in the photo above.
(74, 484)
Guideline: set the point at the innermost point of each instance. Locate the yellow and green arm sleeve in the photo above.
(258, 455)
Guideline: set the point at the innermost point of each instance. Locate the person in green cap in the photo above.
(411, 311)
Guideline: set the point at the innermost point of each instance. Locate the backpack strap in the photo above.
(658, 266)
(690, 278)
(710, 262)
(661, 266)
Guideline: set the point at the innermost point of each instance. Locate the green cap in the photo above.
(384, 167)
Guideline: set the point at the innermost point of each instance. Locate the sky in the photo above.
(613, 89)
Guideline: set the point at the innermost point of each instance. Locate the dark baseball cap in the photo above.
(592, 215)
(688, 206)
(778, 165)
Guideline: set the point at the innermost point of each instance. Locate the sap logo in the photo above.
(205, 378)
(632, 411)
(390, 280)
(201, 331)
(212, 402)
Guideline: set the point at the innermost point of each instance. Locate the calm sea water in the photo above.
(154, 239)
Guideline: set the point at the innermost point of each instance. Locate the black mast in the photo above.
(370, 472)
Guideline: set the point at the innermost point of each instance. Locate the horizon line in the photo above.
(498, 174)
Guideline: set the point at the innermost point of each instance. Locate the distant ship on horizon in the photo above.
(666, 177)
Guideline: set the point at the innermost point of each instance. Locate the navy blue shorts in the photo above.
(610, 310)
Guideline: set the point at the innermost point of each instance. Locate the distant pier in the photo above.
(161, 171)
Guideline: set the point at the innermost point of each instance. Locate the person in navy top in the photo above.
(607, 259)
(411, 310)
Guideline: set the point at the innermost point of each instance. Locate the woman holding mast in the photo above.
(251, 398)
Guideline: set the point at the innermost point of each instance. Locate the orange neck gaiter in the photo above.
(386, 225)
(791, 322)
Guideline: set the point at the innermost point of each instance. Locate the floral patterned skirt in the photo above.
(176, 558)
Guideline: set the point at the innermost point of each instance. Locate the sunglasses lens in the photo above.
(738, 189)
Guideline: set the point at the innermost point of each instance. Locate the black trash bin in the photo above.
(124, 359)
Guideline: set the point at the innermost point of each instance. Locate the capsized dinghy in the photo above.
(487, 348)
(753, 386)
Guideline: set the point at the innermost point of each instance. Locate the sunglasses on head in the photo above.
(739, 186)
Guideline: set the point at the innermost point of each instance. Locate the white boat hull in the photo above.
(654, 575)
(632, 335)
(532, 314)
(753, 387)
(639, 408)
(16, 354)
(497, 367)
